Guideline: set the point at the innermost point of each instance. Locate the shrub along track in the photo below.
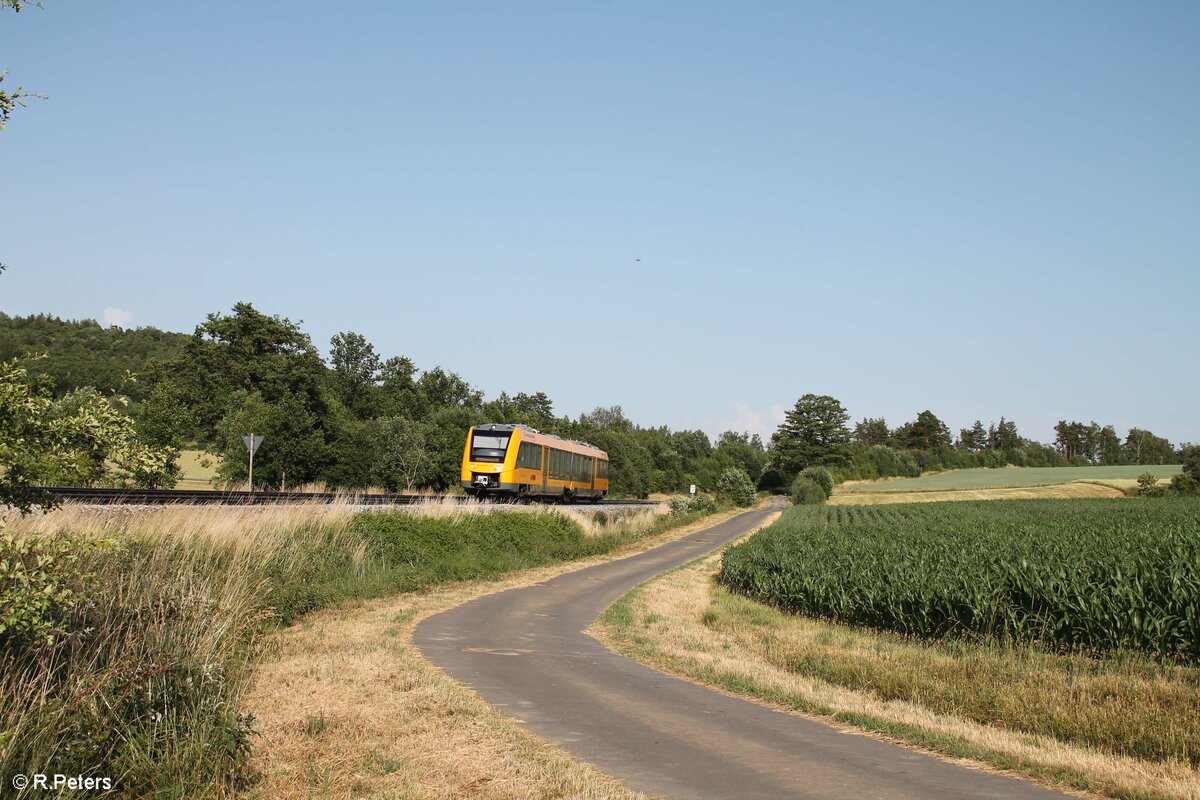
(525, 651)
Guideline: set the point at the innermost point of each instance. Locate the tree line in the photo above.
(816, 433)
(85, 353)
(360, 418)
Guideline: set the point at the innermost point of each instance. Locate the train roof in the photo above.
(503, 428)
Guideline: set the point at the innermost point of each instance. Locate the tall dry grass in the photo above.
(143, 682)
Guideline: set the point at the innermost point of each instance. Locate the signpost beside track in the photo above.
(252, 443)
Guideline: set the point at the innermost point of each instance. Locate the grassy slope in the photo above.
(1008, 477)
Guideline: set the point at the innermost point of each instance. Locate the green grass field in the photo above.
(198, 469)
(1010, 477)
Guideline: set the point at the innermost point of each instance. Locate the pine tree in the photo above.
(813, 433)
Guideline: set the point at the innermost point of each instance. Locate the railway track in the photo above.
(154, 497)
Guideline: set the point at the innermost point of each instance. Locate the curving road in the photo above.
(525, 652)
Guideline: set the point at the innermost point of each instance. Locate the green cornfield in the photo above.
(1091, 576)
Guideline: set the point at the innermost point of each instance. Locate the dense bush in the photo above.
(877, 461)
(806, 491)
(1147, 485)
(867, 462)
(421, 551)
(1188, 481)
(1086, 575)
(697, 504)
(821, 477)
(736, 488)
(41, 583)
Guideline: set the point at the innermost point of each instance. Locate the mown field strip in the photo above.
(1008, 477)
(1061, 491)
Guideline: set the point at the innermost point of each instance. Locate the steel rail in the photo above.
(108, 496)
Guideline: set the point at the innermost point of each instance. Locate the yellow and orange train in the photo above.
(516, 461)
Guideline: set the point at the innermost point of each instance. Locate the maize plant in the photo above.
(1090, 576)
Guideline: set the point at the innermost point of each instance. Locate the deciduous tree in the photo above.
(356, 368)
(1143, 447)
(79, 438)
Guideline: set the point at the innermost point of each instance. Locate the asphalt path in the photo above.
(526, 653)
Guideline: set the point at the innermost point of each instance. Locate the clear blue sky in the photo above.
(981, 209)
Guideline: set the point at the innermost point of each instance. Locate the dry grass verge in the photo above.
(684, 624)
(346, 706)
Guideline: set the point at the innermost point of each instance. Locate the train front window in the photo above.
(488, 448)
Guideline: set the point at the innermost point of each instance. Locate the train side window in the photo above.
(522, 455)
(529, 456)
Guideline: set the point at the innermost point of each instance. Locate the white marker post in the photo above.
(693, 489)
(252, 443)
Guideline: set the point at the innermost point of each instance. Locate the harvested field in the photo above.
(1061, 491)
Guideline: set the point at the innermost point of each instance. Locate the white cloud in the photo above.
(778, 415)
(749, 420)
(117, 316)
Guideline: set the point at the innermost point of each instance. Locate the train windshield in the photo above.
(488, 448)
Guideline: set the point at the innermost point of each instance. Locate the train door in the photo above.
(545, 467)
